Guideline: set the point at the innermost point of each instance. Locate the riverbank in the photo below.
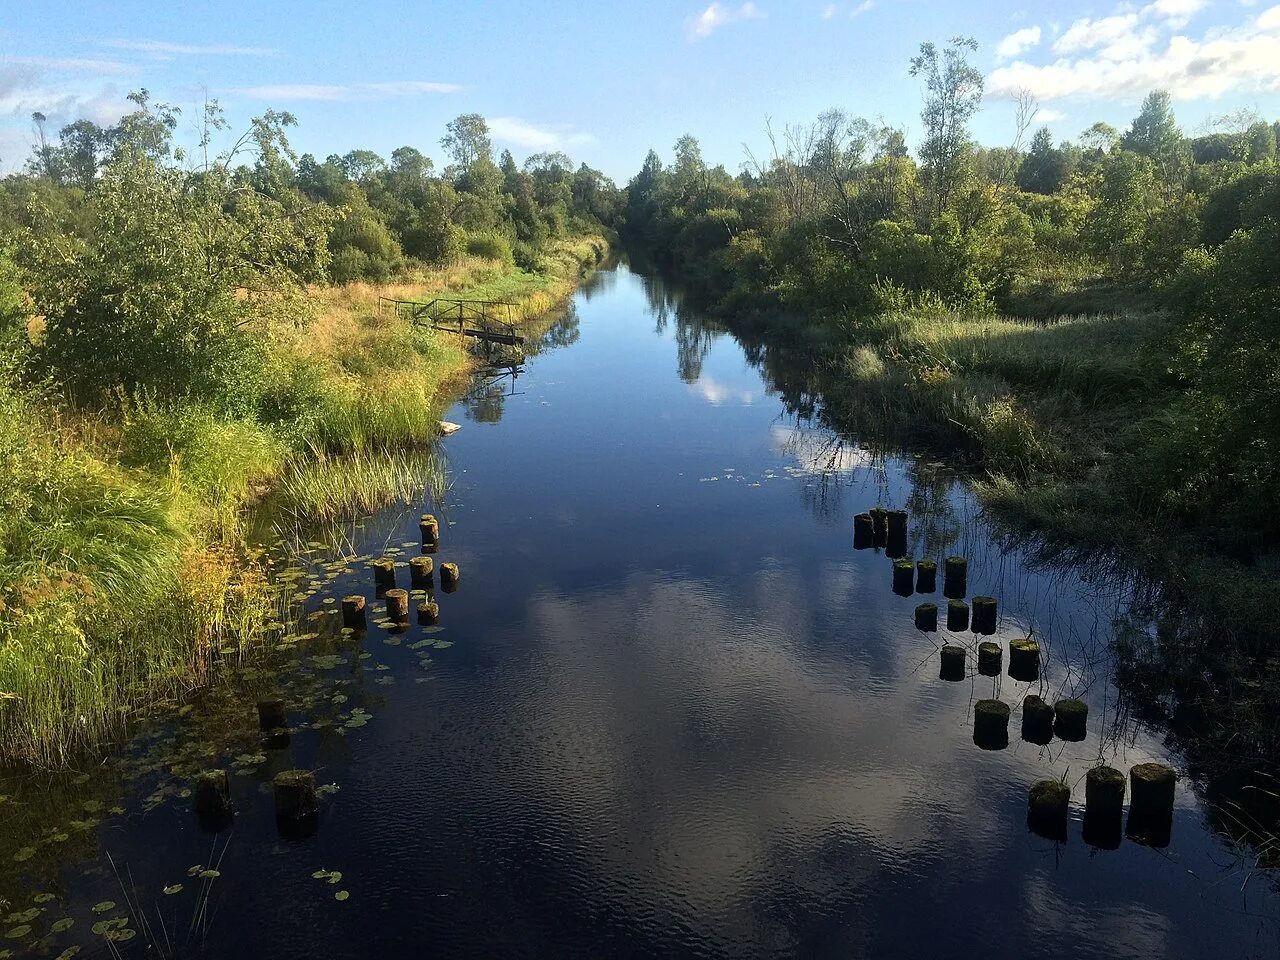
(124, 545)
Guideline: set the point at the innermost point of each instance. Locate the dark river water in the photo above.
(670, 711)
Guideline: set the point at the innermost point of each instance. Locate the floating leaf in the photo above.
(341, 895)
(26, 916)
(17, 933)
(63, 925)
(44, 897)
(26, 853)
(170, 890)
(104, 906)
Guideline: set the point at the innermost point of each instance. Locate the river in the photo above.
(670, 711)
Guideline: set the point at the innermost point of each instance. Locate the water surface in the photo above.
(670, 712)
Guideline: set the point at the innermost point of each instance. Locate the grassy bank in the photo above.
(125, 558)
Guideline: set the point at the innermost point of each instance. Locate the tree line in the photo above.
(840, 222)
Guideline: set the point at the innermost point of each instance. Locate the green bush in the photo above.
(491, 246)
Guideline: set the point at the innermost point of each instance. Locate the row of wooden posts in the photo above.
(296, 800)
(1152, 784)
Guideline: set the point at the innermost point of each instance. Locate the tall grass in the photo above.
(126, 566)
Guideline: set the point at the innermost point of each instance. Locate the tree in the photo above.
(175, 270)
(1046, 168)
(1154, 132)
(467, 141)
(953, 94)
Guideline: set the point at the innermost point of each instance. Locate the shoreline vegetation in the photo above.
(181, 343)
(1093, 326)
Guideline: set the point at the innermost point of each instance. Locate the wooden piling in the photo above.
(428, 613)
(953, 662)
(1104, 792)
(926, 576)
(1151, 792)
(421, 570)
(271, 714)
(384, 574)
(957, 615)
(398, 604)
(295, 795)
(990, 657)
(955, 578)
(927, 617)
(353, 614)
(904, 577)
(991, 724)
(864, 534)
(880, 525)
(450, 575)
(212, 794)
(1071, 720)
(1047, 807)
(1037, 720)
(429, 527)
(984, 615)
(1024, 659)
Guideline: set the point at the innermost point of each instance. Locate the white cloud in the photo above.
(862, 8)
(1123, 55)
(522, 133)
(829, 11)
(1018, 42)
(339, 93)
(718, 15)
(1177, 12)
(1049, 115)
(69, 65)
(163, 51)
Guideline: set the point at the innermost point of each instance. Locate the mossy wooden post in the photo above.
(926, 576)
(1151, 792)
(896, 546)
(927, 617)
(953, 662)
(880, 525)
(296, 802)
(1024, 659)
(353, 615)
(450, 576)
(271, 715)
(1047, 808)
(1104, 794)
(428, 613)
(398, 604)
(957, 615)
(864, 533)
(212, 793)
(990, 657)
(897, 520)
(1071, 720)
(991, 724)
(985, 615)
(904, 577)
(429, 527)
(1037, 720)
(421, 570)
(384, 574)
(955, 578)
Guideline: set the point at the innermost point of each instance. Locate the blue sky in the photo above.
(607, 81)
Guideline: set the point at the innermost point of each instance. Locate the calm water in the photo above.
(670, 711)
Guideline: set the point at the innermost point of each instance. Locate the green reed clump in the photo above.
(338, 487)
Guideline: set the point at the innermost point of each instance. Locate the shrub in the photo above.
(491, 246)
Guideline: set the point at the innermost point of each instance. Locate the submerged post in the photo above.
(1071, 719)
(926, 576)
(1037, 720)
(1047, 809)
(955, 578)
(953, 662)
(353, 615)
(212, 794)
(927, 617)
(421, 570)
(398, 604)
(991, 724)
(450, 575)
(864, 534)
